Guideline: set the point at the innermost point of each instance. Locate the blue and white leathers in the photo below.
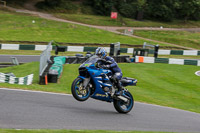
(96, 82)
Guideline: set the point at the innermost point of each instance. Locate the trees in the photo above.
(189, 9)
(101, 7)
(162, 10)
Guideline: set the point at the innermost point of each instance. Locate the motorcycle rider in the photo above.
(117, 73)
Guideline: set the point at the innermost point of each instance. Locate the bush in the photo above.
(128, 10)
(58, 5)
(101, 7)
(162, 10)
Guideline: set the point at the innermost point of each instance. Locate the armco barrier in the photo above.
(92, 49)
(7, 78)
(142, 59)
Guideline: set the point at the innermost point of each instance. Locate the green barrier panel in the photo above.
(60, 58)
(57, 64)
(91, 49)
(57, 67)
(0, 46)
(162, 60)
(26, 47)
(123, 50)
(190, 62)
(198, 52)
(176, 52)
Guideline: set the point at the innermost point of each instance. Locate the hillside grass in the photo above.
(162, 84)
(20, 27)
(182, 38)
(121, 21)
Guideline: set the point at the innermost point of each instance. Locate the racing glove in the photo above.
(105, 66)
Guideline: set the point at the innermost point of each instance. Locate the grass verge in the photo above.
(163, 84)
(183, 38)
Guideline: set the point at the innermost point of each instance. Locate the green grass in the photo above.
(182, 38)
(73, 131)
(107, 21)
(163, 84)
(19, 27)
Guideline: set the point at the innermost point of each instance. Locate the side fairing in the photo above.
(98, 79)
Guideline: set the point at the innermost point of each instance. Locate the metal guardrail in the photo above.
(45, 57)
(4, 3)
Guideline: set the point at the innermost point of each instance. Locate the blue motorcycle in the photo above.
(97, 83)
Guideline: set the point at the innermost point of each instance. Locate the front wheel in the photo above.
(124, 107)
(78, 91)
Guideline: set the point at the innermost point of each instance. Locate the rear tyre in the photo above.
(78, 91)
(124, 107)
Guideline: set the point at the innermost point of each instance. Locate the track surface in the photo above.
(38, 110)
(20, 58)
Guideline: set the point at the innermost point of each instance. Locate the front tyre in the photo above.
(124, 107)
(78, 91)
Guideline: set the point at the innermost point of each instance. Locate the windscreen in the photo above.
(90, 61)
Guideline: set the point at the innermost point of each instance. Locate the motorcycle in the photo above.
(97, 82)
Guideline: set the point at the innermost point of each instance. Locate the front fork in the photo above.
(85, 84)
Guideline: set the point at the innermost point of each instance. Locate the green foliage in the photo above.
(101, 7)
(128, 10)
(189, 9)
(58, 5)
(160, 10)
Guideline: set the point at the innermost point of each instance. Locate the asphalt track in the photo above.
(20, 58)
(39, 110)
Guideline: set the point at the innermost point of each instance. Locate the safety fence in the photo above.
(7, 78)
(45, 57)
(92, 49)
(142, 59)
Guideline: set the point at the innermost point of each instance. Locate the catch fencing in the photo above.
(45, 57)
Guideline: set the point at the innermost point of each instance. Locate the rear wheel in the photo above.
(78, 91)
(122, 106)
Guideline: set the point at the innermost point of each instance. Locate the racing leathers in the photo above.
(117, 73)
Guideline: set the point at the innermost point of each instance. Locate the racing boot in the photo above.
(120, 88)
